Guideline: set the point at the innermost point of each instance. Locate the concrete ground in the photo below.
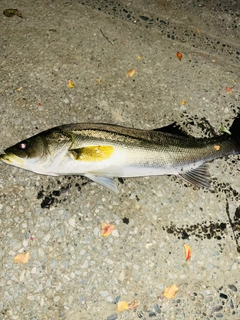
(73, 272)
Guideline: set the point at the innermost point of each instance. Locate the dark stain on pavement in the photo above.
(57, 192)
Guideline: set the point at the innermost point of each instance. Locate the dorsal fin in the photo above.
(173, 128)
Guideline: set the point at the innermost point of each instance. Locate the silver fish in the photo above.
(102, 152)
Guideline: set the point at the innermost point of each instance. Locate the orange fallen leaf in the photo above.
(198, 30)
(133, 304)
(106, 229)
(187, 251)
(228, 89)
(19, 89)
(216, 147)
(139, 57)
(22, 258)
(122, 305)
(131, 73)
(71, 84)
(183, 102)
(170, 292)
(179, 55)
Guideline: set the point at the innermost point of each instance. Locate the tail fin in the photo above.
(235, 128)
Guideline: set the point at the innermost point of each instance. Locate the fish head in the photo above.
(24, 152)
(37, 153)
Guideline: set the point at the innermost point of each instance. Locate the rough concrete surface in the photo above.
(73, 272)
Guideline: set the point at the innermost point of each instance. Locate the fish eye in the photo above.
(22, 145)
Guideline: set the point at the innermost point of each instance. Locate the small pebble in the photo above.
(22, 274)
(140, 315)
(85, 264)
(25, 242)
(223, 296)
(152, 314)
(41, 252)
(47, 222)
(56, 299)
(104, 293)
(124, 291)
(39, 288)
(34, 269)
(232, 287)
(72, 222)
(62, 314)
(231, 304)
(112, 316)
(42, 302)
(47, 237)
(208, 299)
(96, 231)
(115, 233)
(116, 299)
(217, 308)
(157, 308)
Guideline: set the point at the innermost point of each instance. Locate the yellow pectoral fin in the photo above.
(93, 153)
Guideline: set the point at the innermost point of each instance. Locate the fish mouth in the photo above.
(3, 157)
(10, 159)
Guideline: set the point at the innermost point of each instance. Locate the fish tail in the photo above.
(235, 131)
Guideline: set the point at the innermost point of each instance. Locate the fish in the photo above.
(102, 152)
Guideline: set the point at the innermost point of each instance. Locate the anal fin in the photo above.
(198, 177)
(107, 182)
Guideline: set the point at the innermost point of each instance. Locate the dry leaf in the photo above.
(71, 84)
(170, 292)
(198, 30)
(228, 89)
(22, 258)
(139, 57)
(179, 55)
(133, 304)
(216, 147)
(19, 89)
(122, 305)
(131, 73)
(107, 229)
(12, 12)
(187, 251)
(183, 102)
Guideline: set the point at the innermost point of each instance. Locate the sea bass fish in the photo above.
(103, 151)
